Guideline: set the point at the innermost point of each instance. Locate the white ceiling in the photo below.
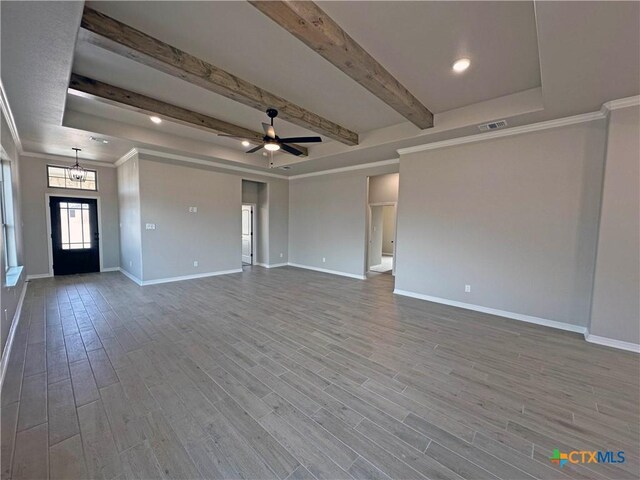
(418, 42)
(530, 62)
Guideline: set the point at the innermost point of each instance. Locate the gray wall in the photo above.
(262, 221)
(160, 192)
(328, 218)
(9, 296)
(278, 195)
(376, 230)
(389, 229)
(130, 224)
(249, 191)
(34, 187)
(211, 236)
(615, 311)
(384, 188)
(514, 217)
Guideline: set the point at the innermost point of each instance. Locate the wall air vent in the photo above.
(485, 127)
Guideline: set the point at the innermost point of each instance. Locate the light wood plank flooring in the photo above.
(292, 374)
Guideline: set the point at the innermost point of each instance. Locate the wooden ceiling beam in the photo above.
(311, 25)
(119, 38)
(105, 93)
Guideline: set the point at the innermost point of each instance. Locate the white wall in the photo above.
(514, 217)
(615, 310)
(34, 211)
(328, 218)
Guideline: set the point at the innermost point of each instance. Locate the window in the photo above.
(8, 225)
(74, 226)
(57, 177)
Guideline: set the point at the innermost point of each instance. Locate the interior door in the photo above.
(74, 235)
(247, 234)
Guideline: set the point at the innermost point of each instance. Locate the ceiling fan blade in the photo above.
(301, 139)
(269, 131)
(254, 149)
(291, 150)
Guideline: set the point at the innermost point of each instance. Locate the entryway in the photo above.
(381, 223)
(74, 235)
(382, 238)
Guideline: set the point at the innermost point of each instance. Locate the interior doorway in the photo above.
(382, 232)
(75, 238)
(247, 234)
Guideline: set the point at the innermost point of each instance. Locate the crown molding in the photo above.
(62, 158)
(210, 163)
(347, 169)
(8, 115)
(621, 103)
(556, 123)
(534, 127)
(126, 157)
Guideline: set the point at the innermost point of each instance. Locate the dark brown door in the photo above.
(74, 235)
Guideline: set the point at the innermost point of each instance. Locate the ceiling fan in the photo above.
(273, 143)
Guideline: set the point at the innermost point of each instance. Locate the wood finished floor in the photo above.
(292, 374)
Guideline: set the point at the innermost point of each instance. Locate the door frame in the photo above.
(47, 198)
(395, 232)
(254, 231)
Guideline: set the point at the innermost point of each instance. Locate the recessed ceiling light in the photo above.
(461, 65)
(155, 119)
(245, 143)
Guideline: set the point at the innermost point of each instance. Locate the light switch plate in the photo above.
(151, 226)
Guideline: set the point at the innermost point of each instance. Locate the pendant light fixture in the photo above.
(77, 173)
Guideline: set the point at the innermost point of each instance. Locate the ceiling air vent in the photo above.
(485, 127)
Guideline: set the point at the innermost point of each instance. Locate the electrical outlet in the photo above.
(467, 288)
(131, 263)
(195, 263)
(281, 255)
(324, 260)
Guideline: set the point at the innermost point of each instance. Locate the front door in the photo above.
(247, 234)
(74, 235)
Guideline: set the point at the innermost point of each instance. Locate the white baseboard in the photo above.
(273, 265)
(6, 352)
(190, 277)
(611, 342)
(501, 313)
(110, 269)
(38, 275)
(130, 276)
(324, 270)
